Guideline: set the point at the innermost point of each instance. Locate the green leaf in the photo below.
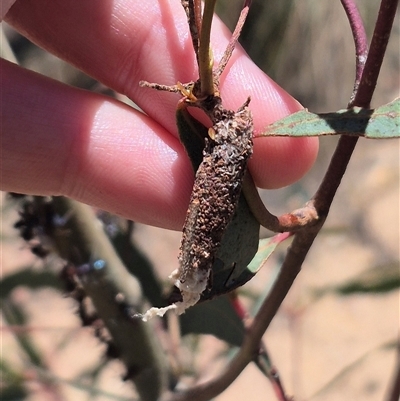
(191, 135)
(29, 278)
(379, 279)
(238, 247)
(227, 280)
(139, 266)
(14, 315)
(216, 317)
(265, 249)
(12, 383)
(380, 123)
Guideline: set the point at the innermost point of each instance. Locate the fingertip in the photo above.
(278, 162)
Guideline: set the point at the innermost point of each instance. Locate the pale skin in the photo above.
(58, 140)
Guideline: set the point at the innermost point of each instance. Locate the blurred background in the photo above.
(335, 335)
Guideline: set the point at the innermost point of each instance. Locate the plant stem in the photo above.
(394, 392)
(256, 205)
(288, 222)
(112, 290)
(380, 39)
(303, 239)
(234, 38)
(193, 13)
(360, 41)
(326, 191)
(263, 359)
(205, 55)
(197, 14)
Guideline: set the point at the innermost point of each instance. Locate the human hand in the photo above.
(58, 140)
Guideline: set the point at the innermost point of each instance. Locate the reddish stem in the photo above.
(303, 239)
(360, 40)
(394, 394)
(262, 360)
(340, 159)
(380, 38)
(238, 306)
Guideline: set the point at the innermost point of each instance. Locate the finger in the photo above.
(134, 40)
(119, 43)
(57, 140)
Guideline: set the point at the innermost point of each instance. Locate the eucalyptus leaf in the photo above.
(380, 123)
(238, 247)
(139, 266)
(379, 279)
(241, 275)
(216, 317)
(29, 278)
(376, 280)
(15, 315)
(265, 249)
(191, 135)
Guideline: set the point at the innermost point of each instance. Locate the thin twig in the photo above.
(197, 15)
(263, 359)
(288, 222)
(234, 38)
(205, 54)
(380, 39)
(263, 362)
(278, 386)
(394, 391)
(193, 13)
(360, 41)
(256, 205)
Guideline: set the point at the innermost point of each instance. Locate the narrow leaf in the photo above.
(216, 317)
(139, 266)
(377, 280)
(241, 275)
(238, 247)
(265, 249)
(31, 279)
(191, 135)
(380, 123)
